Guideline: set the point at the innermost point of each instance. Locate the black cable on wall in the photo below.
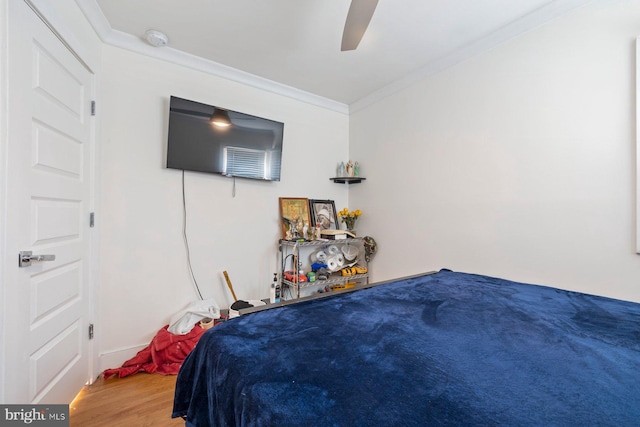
(186, 240)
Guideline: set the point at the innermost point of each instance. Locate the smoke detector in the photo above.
(156, 38)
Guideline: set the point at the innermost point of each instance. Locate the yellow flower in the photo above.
(349, 217)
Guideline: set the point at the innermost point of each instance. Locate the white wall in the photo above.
(518, 163)
(145, 279)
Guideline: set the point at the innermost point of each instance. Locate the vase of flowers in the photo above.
(349, 218)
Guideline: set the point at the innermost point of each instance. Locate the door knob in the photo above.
(26, 257)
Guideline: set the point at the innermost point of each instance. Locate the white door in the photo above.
(50, 131)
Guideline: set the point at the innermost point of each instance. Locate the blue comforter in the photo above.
(442, 349)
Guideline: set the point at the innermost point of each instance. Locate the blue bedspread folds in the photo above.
(442, 349)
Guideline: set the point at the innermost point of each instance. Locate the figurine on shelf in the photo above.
(305, 229)
(341, 169)
(318, 232)
(349, 168)
(356, 169)
(299, 228)
(311, 234)
(293, 228)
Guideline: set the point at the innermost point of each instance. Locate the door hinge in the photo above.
(90, 331)
(92, 219)
(93, 108)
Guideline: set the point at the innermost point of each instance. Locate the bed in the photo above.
(447, 348)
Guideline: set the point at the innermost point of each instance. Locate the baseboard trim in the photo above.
(115, 358)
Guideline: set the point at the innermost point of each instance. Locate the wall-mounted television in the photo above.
(205, 138)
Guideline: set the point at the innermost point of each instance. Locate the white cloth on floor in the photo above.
(183, 321)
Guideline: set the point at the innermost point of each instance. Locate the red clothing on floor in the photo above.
(163, 355)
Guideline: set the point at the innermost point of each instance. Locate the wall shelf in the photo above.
(347, 179)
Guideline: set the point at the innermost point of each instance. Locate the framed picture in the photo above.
(294, 214)
(324, 212)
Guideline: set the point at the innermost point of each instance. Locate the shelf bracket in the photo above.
(347, 179)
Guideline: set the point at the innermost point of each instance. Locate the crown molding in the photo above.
(541, 16)
(116, 38)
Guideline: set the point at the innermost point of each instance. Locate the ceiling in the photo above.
(293, 46)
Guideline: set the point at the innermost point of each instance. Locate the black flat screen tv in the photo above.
(205, 138)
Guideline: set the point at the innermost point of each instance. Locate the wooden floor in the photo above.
(136, 401)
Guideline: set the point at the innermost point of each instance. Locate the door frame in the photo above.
(3, 180)
(66, 21)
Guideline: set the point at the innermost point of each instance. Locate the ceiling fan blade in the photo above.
(360, 13)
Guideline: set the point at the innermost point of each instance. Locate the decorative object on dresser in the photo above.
(336, 234)
(294, 213)
(323, 213)
(349, 218)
